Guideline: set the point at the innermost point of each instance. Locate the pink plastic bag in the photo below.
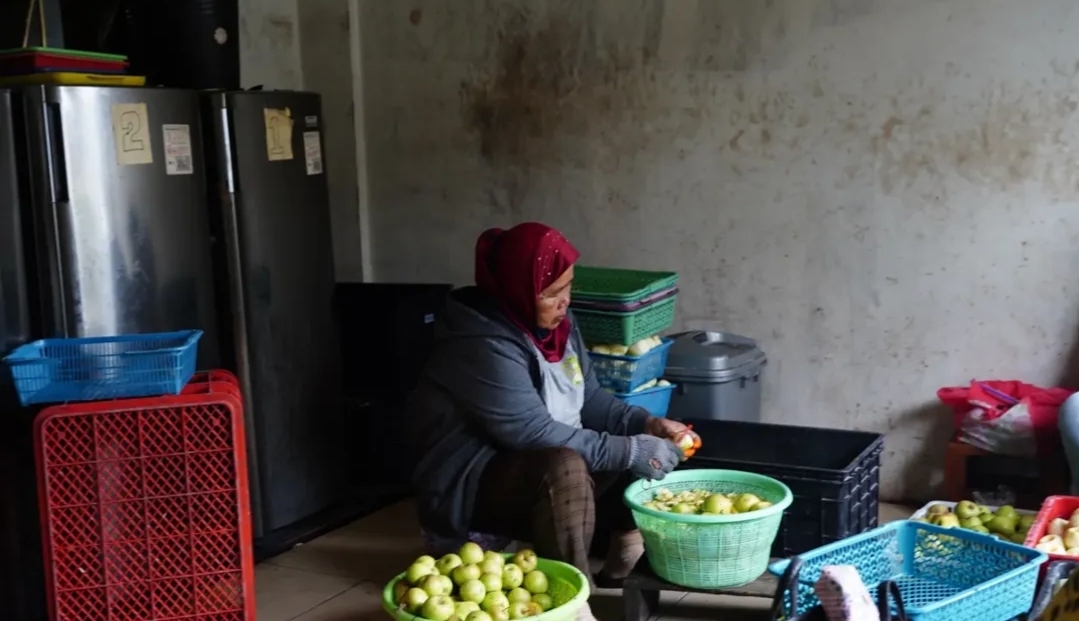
(1006, 417)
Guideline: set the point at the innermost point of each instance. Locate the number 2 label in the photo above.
(130, 125)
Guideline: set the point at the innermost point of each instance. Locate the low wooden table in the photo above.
(640, 591)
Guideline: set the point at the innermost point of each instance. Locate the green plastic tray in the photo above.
(57, 51)
(609, 284)
(568, 589)
(709, 551)
(625, 328)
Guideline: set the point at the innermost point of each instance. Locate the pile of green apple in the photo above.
(474, 585)
(701, 502)
(1004, 522)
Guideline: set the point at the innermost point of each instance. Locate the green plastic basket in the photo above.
(610, 284)
(625, 328)
(709, 551)
(568, 589)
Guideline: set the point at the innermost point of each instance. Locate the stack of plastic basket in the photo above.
(620, 314)
(142, 479)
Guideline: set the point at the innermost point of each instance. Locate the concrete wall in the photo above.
(883, 192)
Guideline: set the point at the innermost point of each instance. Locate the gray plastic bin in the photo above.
(718, 376)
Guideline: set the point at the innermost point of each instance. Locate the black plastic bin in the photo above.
(834, 475)
(1055, 572)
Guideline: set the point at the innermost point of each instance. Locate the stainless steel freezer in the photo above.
(272, 221)
(122, 234)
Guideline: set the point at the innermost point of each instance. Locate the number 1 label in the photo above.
(131, 134)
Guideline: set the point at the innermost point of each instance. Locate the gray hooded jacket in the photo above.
(480, 393)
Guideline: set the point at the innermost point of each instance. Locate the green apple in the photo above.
(512, 576)
(471, 553)
(526, 560)
(438, 608)
(683, 508)
(399, 589)
(966, 509)
(495, 557)
(492, 581)
(545, 602)
(746, 502)
(764, 504)
(519, 610)
(472, 591)
(490, 566)
(448, 563)
(463, 573)
(418, 571)
(479, 615)
(465, 608)
(1019, 538)
(718, 504)
(415, 599)
(1007, 511)
(980, 529)
(536, 582)
(496, 604)
(519, 595)
(425, 560)
(1026, 521)
(947, 520)
(1002, 525)
(938, 509)
(970, 522)
(437, 585)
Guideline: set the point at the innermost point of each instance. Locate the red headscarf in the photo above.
(514, 266)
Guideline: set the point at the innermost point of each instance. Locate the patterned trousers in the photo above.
(548, 497)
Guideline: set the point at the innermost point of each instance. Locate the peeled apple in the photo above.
(1071, 538)
(1057, 527)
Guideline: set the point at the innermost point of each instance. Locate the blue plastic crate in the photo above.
(655, 400)
(944, 574)
(623, 374)
(101, 368)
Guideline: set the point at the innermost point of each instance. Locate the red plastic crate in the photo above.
(144, 509)
(1053, 507)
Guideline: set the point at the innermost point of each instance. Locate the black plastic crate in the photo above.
(834, 475)
(1054, 572)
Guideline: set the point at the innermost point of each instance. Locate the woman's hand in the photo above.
(664, 428)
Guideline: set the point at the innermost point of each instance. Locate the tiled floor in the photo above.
(339, 577)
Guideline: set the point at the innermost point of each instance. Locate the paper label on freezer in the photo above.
(178, 150)
(131, 133)
(312, 152)
(278, 133)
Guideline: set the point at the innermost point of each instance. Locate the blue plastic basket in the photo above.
(655, 400)
(944, 574)
(107, 367)
(624, 374)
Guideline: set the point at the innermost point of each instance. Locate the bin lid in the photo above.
(712, 356)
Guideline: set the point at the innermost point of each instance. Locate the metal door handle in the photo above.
(55, 165)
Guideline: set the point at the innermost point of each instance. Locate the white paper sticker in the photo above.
(278, 133)
(312, 152)
(310, 120)
(131, 134)
(178, 150)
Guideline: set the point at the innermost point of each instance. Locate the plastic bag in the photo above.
(1006, 417)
